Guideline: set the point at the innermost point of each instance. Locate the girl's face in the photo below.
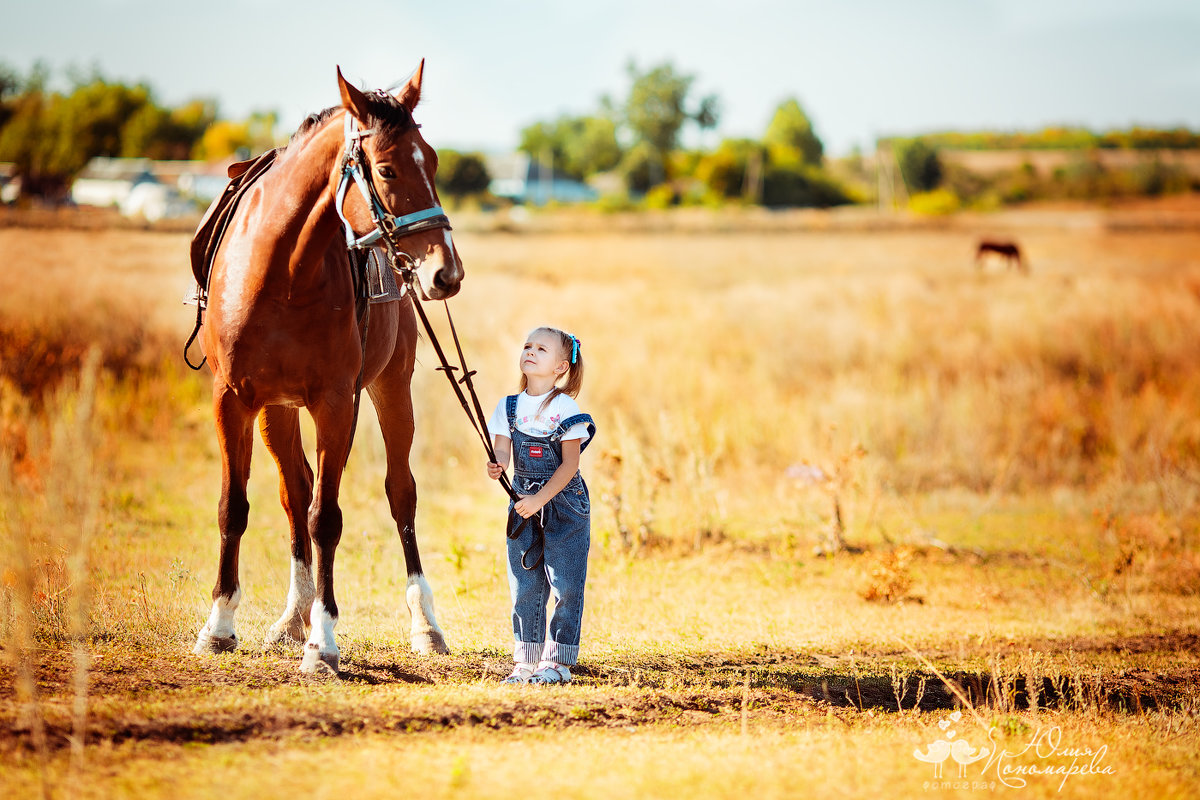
(542, 357)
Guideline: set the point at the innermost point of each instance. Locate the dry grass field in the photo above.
(852, 498)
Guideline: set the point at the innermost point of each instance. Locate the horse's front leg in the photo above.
(280, 428)
(334, 419)
(236, 440)
(393, 406)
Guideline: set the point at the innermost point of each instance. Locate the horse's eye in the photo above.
(386, 172)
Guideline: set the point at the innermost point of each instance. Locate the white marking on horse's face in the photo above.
(418, 157)
(437, 257)
(220, 619)
(322, 629)
(419, 596)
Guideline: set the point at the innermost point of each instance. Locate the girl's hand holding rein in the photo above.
(528, 505)
(502, 446)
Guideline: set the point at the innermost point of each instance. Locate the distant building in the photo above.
(108, 181)
(10, 184)
(151, 189)
(517, 177)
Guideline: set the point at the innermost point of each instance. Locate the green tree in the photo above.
(641, 167)
(50, 137)
(161, 133)
(462, 174)
(801, 186)
(656, 111)
(920, 165)
(577, 146)
(10, 86)
(724, 170)
(591, 146)
(790, 138)
(90, 120)
(25, 139)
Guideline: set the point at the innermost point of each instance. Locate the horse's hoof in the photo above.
(429, 642)
(207, 644)
(281, 639)
(315, 662)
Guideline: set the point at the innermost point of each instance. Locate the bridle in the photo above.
(389, 228)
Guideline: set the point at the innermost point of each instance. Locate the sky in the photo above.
(860, 68)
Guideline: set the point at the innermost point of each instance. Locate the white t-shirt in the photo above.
(534, 422)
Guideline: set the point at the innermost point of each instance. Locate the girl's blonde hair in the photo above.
(572, 351)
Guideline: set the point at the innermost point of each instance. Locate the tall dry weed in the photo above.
(49, 513)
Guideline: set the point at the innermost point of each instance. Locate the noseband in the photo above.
(388, 226)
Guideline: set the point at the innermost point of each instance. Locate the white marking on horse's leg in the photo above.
(321, 648)
(426, 633)
(217, 635)
(301, 592)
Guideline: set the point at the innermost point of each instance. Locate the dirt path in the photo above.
(148, 697)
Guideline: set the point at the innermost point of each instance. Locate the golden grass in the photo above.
(1017, 456)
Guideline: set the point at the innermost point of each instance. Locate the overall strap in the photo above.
(571, 422)
(511, 409)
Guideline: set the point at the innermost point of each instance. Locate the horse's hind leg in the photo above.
(393, 405)
(280, 428)
(236, 440)
(334, 417)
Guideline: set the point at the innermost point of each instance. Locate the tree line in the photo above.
(638, 140)
(50, 135)
(634, 141)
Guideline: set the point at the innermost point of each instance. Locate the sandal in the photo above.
(551, 672)
(521, 673)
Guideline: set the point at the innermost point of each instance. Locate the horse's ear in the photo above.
(410, 95)
(353, 100)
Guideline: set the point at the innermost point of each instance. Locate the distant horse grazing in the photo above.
(289, 326)
(1009, 250)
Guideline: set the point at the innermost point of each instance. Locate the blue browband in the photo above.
(386, 223)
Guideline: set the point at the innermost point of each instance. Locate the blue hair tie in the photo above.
(574, 348)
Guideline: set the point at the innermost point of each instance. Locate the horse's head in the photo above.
(400, 165)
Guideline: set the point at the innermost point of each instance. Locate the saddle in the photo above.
(369, 267)
(207, 239)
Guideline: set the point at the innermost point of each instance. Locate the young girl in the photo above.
(543, 428)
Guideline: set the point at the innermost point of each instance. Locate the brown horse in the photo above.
(285, 329)
(1009, 250)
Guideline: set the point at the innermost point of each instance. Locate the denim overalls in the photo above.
(562, 571)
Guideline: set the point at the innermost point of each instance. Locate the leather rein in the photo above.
(389, 228)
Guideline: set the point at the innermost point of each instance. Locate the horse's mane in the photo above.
(312, 122)
(385, 114)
